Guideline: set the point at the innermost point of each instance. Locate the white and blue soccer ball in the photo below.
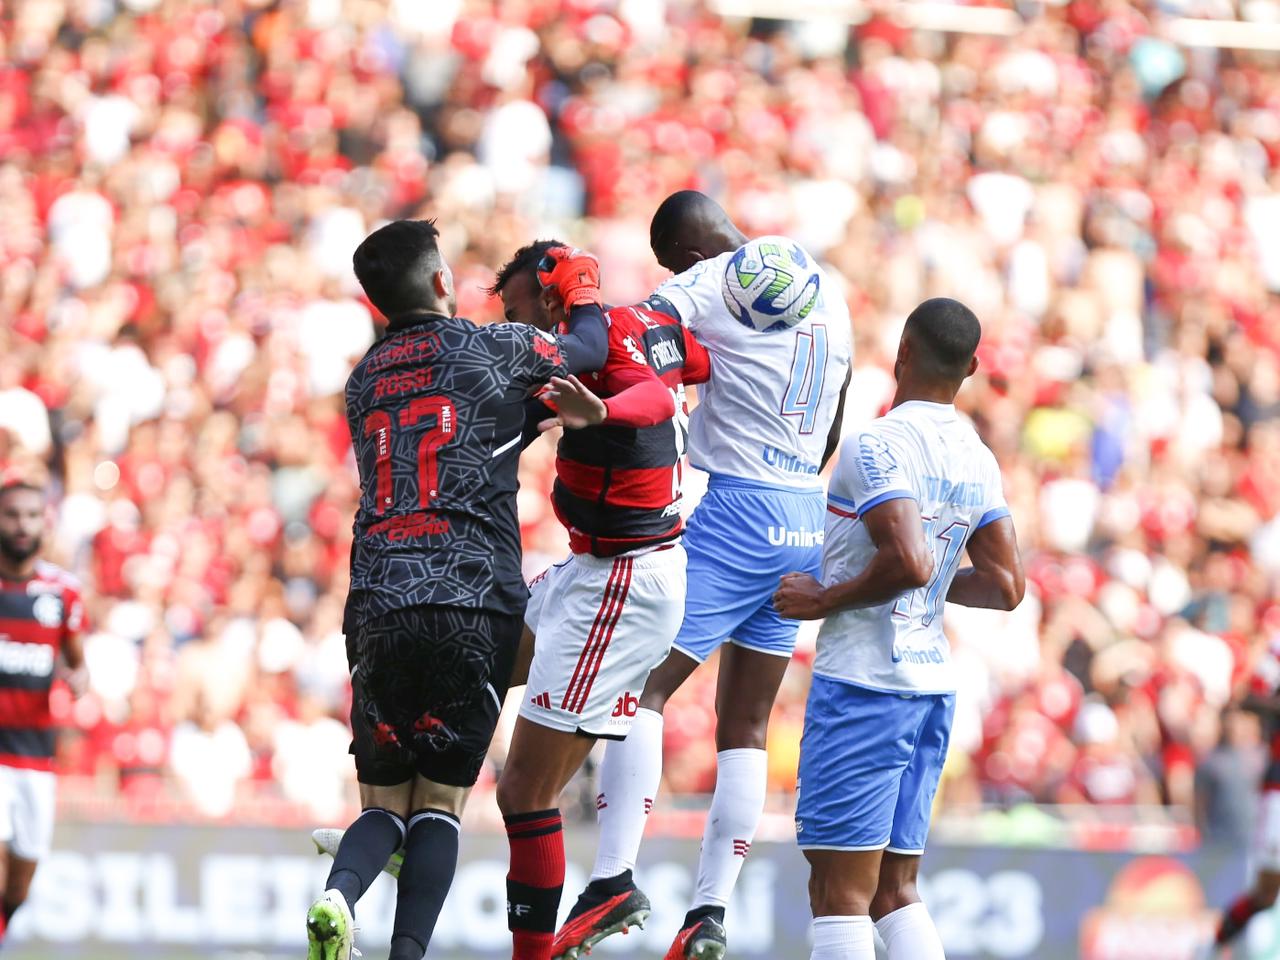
(770, 283)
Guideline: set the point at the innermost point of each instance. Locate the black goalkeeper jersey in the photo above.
(436, 412)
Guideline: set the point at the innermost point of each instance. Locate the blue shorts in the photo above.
(869, 767)
(741, 539)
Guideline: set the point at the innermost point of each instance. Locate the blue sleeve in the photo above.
(991, 516)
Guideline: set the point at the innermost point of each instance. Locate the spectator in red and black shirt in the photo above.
(41, 618)
(434, 616)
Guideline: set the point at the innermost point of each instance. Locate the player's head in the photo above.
(523, 298)
(403, 272)
(21, 521)
(937, 349)
(689, 226)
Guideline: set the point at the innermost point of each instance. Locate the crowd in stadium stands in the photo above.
(182, 185)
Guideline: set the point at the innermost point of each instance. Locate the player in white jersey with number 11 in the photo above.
(778, 332)
(912, 492)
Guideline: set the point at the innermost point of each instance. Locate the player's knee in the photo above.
(520, 790)
(830, 897)
(743, 730)
(893, 897)
(655, 700)
(511, 793)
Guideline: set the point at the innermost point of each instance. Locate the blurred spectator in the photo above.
(1227, 782)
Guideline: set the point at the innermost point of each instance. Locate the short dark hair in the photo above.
(679, 210)
(10, 485)
(946, 334)
(395, 265)
(524, 259)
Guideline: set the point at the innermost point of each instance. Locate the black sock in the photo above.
(405, 947)
(430, 859)
(610, 886)
(701, 913)
(9, 910)
(364, 851)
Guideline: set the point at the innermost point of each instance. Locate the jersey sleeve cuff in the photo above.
(991, 516)
(885, 498)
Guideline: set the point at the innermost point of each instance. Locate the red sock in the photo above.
(534, 882)
(1236, 918)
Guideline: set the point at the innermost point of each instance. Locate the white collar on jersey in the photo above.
(939, 411)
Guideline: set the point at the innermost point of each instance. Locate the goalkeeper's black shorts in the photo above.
(427, 686)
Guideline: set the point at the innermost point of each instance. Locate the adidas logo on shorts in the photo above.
(542, 700)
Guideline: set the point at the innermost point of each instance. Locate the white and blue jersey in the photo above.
(765, 413)
(760, 429)
(879, 715)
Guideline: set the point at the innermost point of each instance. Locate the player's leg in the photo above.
(854, 754)
(632, 770)
(465, 671)
(560, 717)
(1262, 894)
(540, 763)
(430, 860)
(903, 921)
(751, 669)
(524, 657)
(1235, 919)
(34, 798)
(745, 691)
(616, 620)
(386, 792)
(841, 886)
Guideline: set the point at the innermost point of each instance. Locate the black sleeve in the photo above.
(586, 345)
(535, 411)
(662, 305)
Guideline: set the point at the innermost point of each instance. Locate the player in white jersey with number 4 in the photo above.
(912, 492)
(778, 332)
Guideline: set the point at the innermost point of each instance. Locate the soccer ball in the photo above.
(770, 283)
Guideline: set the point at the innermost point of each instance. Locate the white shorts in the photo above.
(27, 799)
(601, 626)
(1266, 851)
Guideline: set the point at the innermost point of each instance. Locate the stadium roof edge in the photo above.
(997, 21)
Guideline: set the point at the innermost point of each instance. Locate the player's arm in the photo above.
(833, 435)
(536, 413)
(995, 580)
(76, 674)
(697, 361)
(575, 275)
(644, 403)
(585, 344)
(902, 561)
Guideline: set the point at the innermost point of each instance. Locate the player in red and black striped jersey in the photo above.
(608, 614)
(41, 618)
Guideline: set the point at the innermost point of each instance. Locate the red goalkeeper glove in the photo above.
(574, 273)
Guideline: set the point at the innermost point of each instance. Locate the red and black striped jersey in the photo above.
(37, 618)
(618, 488)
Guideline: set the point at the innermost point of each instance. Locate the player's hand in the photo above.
(800, 597)
(77, 680)
(576, 406)
(574, 273)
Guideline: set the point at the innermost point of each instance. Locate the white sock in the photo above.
(629, 777)
(909, 934)
(741, 781)
(843, 938)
